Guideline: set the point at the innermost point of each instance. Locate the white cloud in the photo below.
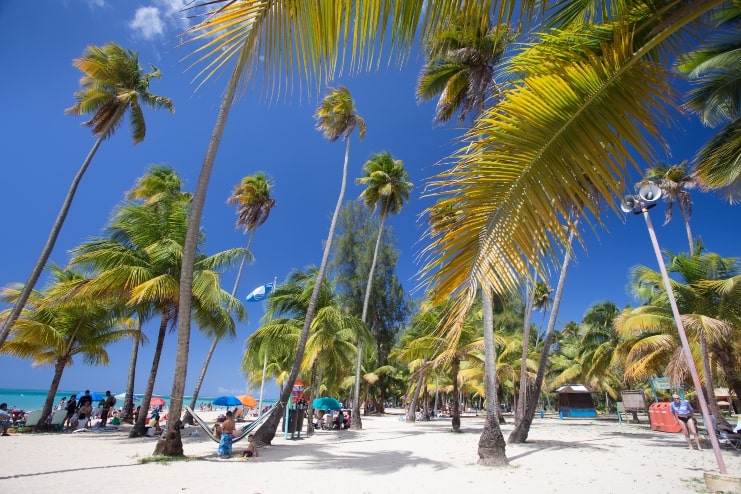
(97, 3)
(147, 23)
(173, 11)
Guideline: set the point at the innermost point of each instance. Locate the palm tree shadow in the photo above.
(539, 446)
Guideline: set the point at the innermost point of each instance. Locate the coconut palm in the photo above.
(113, 85)
(59, 324)
(460, 67)
(387, 189)
(140, 260)
(713, 71)
(252, 197)
(336, 118)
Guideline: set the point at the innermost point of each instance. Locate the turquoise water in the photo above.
(33, 399)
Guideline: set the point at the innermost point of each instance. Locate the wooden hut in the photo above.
(575, 400)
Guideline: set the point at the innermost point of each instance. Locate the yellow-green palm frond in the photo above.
(537, 161)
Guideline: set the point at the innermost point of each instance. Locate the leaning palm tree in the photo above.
(252, 197)
(112, 85)
(337, 118)
(388, 189)
(60, 324)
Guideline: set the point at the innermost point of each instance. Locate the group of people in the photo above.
(225, 433)
(328, 420)
(80, 412)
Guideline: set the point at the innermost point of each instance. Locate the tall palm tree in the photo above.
(336, 118)
(60, 323)
(388, 187)
(113, 84)
(140, 260)
(252, 197)
(713, 70)
(674, 182)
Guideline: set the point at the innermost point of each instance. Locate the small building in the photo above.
(575, 400)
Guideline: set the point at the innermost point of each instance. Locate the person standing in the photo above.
(108, 402)
(62, 404)
(5, 420)
(683, 411)
(227, 434)
(86, 398)
(71, 409)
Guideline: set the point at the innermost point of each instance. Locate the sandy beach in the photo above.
(387, 456)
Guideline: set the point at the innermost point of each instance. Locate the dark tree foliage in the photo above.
(352, 255)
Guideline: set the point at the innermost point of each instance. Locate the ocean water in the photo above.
(33, 399)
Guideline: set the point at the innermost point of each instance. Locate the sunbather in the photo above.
(5, 420)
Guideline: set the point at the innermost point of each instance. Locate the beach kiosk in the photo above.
(575, 400)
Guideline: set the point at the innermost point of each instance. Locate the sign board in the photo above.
(633, 400)
(660, 383)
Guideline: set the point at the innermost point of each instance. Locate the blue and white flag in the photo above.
(259, 293)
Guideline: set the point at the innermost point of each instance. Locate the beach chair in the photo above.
(246, 430)
(29, 423)
(57, 420)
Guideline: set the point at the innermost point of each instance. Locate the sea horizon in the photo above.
(33, 399)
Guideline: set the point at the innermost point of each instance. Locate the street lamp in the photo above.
(646, 198)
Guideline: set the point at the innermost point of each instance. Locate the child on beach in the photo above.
(251, 451)
(227, 434)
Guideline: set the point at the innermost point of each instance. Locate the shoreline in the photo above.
(388, 455)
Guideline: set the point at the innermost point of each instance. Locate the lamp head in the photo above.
(649, 192)
(629, 204)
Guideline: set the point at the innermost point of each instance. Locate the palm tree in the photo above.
(713, 71)
(140, 260)
(388, 187)
(252, 197)
(60, 323)
(674, 182)
(337, 118)
(113, 85)
(460, 68)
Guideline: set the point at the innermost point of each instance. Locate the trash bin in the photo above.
(662, 418)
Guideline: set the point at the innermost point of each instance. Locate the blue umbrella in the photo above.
(95, 396)
(326, 403)
(227, 401)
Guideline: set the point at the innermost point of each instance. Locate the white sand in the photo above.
(387, 456)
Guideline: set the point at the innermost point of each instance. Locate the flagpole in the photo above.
(265, 363)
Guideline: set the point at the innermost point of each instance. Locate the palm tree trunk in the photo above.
(266, 433)
(520, 409)
(456, 421)
(357, 424)
(209, 355)
(127, 412)
(310, 402)
(521, 430)
(50, 242)
(172, 444)
(46, 410)
(492, 447)
(709, 387)
(139, 428)
(412, 412)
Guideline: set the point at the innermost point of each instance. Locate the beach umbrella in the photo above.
(95, 396)
(247, 400)
(157, 401)
(227, 401)
(326, 403)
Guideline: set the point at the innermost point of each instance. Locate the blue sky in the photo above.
(43, 149)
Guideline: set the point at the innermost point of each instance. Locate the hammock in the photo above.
(246, 430)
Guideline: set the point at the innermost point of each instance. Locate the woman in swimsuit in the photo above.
(683, 411)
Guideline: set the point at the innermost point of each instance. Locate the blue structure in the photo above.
(575, 400)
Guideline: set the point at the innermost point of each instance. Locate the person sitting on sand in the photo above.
(251, 451)
(5, 420)
(227, 434)
(683, 411)
(217, 430)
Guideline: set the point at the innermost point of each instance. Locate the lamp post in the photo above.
(646, 198)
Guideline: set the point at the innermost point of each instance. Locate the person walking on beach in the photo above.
(5, 420)
(227, 434)
(683, 411)
(108, 403)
